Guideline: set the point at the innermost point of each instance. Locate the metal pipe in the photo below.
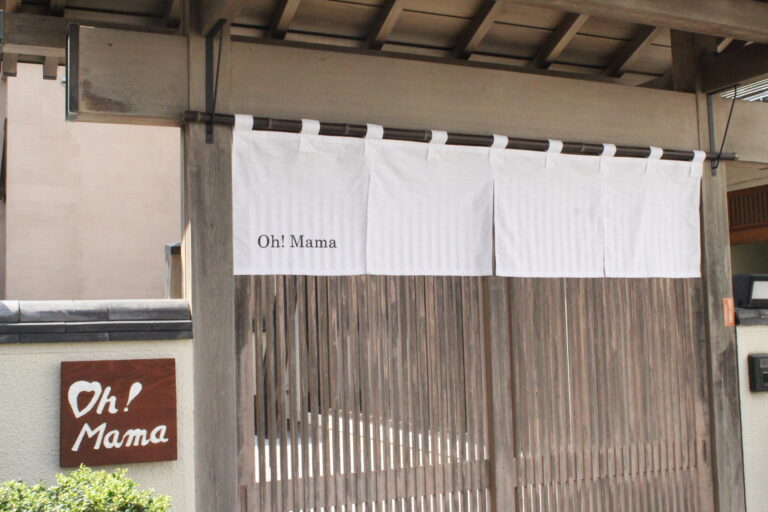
(460, 139)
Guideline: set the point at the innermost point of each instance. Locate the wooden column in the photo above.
(209, 283)
(725, 418)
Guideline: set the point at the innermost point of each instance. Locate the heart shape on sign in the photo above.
(83, 386)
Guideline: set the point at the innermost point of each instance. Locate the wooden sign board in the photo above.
(115, 412)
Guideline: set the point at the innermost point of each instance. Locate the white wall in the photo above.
(754, 419)
(29, 412)
(90, 206)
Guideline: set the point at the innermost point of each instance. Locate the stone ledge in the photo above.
(94, 320)
(746, 316)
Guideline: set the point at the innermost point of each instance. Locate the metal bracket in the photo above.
(211, 76)
(714, 164)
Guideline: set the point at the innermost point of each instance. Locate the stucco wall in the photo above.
(29, 412)
(90, 206)
(754, 419)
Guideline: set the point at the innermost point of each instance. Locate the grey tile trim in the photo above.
(108, 326)
(63, 337)
(94, 320)
(9, 311)
(62, 311)
(171, 325)
(36, 327)
(150, 336)
(160, 309)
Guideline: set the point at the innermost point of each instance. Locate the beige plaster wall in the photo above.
(29, 412)
(90, 206)
(754, 418)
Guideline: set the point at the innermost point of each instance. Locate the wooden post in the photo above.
(725, 419)
(209, 283)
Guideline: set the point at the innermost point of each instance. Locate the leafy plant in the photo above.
(83, 490)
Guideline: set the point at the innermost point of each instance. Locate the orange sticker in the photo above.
(729, 314)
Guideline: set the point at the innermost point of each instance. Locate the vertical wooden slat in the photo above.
(260, 390)
(499, 381)
(314, 375)
(245, 358)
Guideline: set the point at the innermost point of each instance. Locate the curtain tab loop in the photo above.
(373, 134)
(310, 128)
(654, 156)
(609, 150)
(697, 163)
(555, 148)
(243, 123)
(499, 144)
(438, 139)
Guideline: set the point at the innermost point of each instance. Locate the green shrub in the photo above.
(83, 490)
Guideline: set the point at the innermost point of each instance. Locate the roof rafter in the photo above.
(558, 40)
(740, 19)
(213, 11)
(172, 16)
(56, 7)
(477, 29)
(285, 12)
(733, 67)
(631, 50)
(385, 23)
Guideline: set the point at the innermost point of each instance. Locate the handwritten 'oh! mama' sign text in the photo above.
(115, 412)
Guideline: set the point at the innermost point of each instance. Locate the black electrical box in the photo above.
(758, 372)
(750, 290)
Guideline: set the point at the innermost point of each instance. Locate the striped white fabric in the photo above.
(299, 202)
(430, 210)
(319, 205)
(548, 215)
(652, 218)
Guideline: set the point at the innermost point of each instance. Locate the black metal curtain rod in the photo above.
(459, 139)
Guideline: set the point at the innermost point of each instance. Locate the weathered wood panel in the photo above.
(421, 393)
(377, 388)
(120, 76)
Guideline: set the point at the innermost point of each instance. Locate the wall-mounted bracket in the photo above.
(211, 76)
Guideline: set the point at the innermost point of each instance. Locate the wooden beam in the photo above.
(213, 11)
(9, 64)
(514, 104)
(29, 34)
(126, 77)
(11, 5)
(723, 43)
(631, 50)
(50, 68)
(747, 64)
(740, 19)
(660, 82)
(725, 417)
(558, 40)
(477, 29)
(282, 18)
(172, 16)
(384, 24)
(56, 7)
